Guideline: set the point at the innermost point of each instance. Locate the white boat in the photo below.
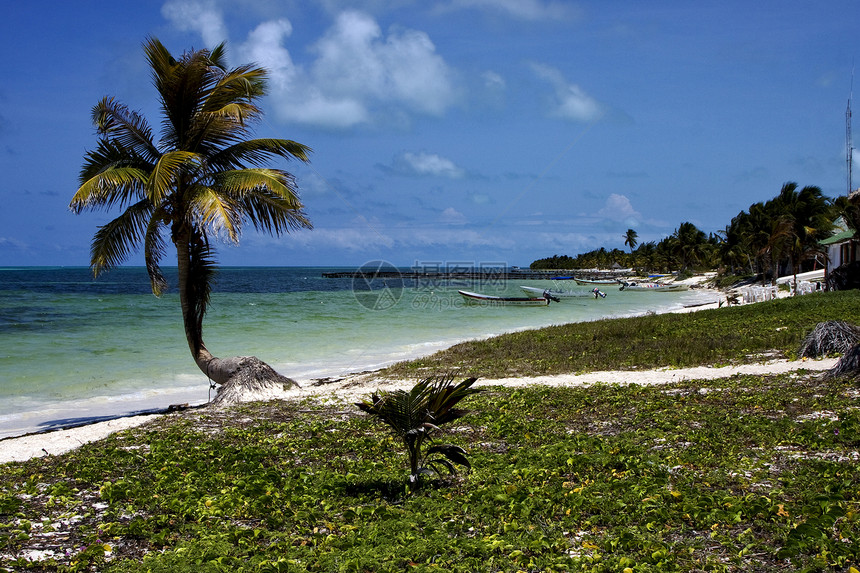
(598, 282)
(485, 299)
(536, 292)
(653, 287)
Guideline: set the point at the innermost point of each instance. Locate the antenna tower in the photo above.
(850, 158)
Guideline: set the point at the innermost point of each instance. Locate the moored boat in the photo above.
(485, 299)
(654, 287)
(597, 282)
(536, 292)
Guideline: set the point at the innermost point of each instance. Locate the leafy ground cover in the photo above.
(714, 337)
(742, 474)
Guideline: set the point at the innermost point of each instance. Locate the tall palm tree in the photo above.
(808, 219)
(631, 239)
(690, 245)
(202, 179)
(731, 247)
(765, 234)
(645, 255)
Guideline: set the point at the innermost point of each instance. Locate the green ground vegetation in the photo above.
(745, 474)
(749, 473)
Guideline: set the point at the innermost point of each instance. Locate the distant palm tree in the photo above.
(645, 255)
(849, 208)
(631, 239)
(732, 248)
(690, 245)
(807, 216)
(763, 233)
(203, 179)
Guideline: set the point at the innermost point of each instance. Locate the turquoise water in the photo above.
(73, 349)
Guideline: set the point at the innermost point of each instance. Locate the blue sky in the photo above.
(451, 131)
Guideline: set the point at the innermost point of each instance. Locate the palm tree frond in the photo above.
(240, 182)
(160, 60)
(274, 215)
(118, 185)
(242, 84)
(257, 151)
(415, 415)
(218, 56)
(454, 453)
(218, 212)
(128, 129)
(154, 248)
(235, 111)
(267, 198)
(115, 240)
(166, 173)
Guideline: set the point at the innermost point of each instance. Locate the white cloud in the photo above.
(454, 239)
(351, 239)
(200, 16)
(357, 59)
(452, 216)
(619, 208)
(569, 101)
(296, 96)
(312, 183)
(264, 48)
(429, 164)
(12, 243)
(359, 75)
(491, 89)
(578, 242)
(366, 238)
(521, 9)
(493, 81)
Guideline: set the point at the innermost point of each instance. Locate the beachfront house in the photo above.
(841, 246)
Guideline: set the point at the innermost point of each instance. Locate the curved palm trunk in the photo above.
(238, 376)
(192, 319)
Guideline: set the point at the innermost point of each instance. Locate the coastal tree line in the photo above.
(772, 238)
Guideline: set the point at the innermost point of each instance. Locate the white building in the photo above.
(842, 247)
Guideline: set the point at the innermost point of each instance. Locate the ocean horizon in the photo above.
(75, 350)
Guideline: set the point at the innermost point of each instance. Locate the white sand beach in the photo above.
(353, 388)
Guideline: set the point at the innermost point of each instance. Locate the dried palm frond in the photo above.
(848, 365)
(831, 337)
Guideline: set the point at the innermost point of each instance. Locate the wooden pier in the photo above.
(469, 274)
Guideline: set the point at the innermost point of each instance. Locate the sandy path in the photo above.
(353, 388)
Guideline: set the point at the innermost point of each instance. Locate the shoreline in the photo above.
(353, 386)
(64, 389)
(357, 386)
